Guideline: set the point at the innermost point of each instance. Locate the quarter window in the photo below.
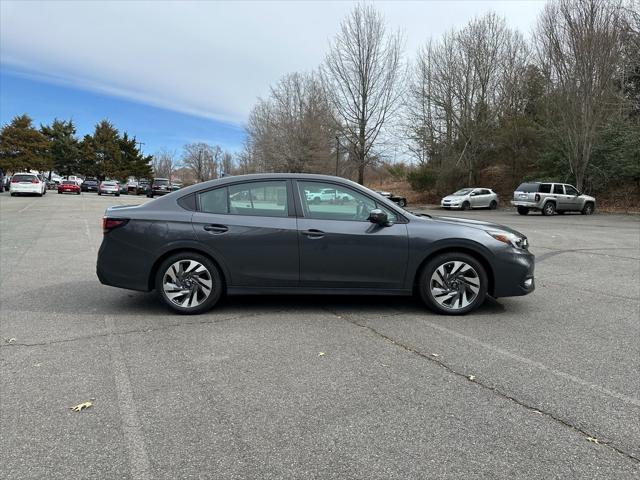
(325, 202)
(265, 199)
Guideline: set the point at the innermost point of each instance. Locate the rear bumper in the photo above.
(513, 273)
(124, 263)
(519, 203)
(27, 188)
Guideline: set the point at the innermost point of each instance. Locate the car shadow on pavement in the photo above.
(83, 297)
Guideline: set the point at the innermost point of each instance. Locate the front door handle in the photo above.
(313, 233)
(216, 228)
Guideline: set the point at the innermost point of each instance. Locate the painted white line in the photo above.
(133, 435)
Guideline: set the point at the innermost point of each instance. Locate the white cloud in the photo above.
(211, 59)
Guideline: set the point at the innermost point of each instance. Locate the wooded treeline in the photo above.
(480, 102)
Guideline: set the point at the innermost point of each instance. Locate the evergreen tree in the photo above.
(87, 164)
(22, 147)
(63, 146)
(106, 145)
(134, 163)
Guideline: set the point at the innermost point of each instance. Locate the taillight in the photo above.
(35, 180)
(537, 197)
(109, 224)
(13, 180)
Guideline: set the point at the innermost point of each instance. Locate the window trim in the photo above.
(289, 212)
(400, 218)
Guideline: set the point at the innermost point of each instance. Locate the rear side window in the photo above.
(265, 199)
(545, 188)
(527, 187)
(558, 189)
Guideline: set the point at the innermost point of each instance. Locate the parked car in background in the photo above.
(175, 186)
(89, 185)
(159, 186)
(261, 234)
(400, 201)
(123, 188)
(52, 184)
(327, 195)
(27, 183)
(69, 186)
(471, 198)
(550, 198)
(1, 181)
(142, 187)
(75, 178)
(109, 187)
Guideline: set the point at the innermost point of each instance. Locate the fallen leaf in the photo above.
(10, 340)
(37, 364)
(471, 377)
(82, 406)
(593, 440)
(321, 354)
(435, 355)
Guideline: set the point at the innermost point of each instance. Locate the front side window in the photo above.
(558, 189)
(342, 204)
(265, 199)
(570, 190)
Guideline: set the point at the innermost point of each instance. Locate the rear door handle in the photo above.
(216, 228)
(313, 233)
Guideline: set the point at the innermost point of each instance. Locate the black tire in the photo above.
(13, 194)
(427, 272)
(99, 193)
(402, 202)
(59, 193)
(493, 205)
(39, 194)
(588, 208)
(523, 210)
(465, 206)
(549, 209)
(77, 193)
(215, 276)
(117, 194)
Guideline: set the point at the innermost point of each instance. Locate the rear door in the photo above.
(340, 248)
(251, 227)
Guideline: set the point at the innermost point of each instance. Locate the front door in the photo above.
(340, 248)
(251, 228)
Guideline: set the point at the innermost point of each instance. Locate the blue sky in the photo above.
(157, 128)
(173, 72)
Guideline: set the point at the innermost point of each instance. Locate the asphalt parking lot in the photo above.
(543, 386)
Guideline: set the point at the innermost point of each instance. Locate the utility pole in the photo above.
(337, 153)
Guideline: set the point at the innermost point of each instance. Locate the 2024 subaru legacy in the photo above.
(260, 234)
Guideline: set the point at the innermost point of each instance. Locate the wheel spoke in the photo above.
(455, 272)
(187, 283)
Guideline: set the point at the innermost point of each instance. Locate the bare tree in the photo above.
(361, 75)
(201, 160)
(293, 129)
(579, 47)
(164, 163)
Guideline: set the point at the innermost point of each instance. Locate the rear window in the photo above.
(528, 187)
(110, 184)
(161, 182)
(68, 182)
(22, 178)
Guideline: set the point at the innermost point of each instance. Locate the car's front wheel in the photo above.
(587, 209)
(453, 284)
(465, 206)
(189, 283)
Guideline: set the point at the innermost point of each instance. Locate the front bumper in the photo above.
(513, 273)
(450, 205)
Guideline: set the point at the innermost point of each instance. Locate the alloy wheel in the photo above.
(454, 285)
(187, 283)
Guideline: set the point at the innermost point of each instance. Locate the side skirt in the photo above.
(314, 291)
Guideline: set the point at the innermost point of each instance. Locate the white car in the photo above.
(27, 183)
(471, 198)
(328, 195)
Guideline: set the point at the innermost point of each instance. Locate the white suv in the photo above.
(27, 183)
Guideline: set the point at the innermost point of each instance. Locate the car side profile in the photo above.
(260, 234)
(467, 198)
(550, 198)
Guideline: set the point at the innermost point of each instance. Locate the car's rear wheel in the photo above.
(453, 284)
(523, 210)
(587, 209)
(465, 206)
(402, 202)
(189, 283)
(493, 205)
(549, 209)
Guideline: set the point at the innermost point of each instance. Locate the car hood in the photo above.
(486, 226)
(453, 197)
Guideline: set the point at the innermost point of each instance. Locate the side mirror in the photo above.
(378, 217)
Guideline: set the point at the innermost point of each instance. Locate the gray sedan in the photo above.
(471, 198)
(260, 234)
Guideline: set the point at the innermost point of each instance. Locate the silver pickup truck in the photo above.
(550, 198)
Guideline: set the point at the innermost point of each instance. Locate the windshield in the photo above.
(109, 184)
(462, 192)
(159, 181)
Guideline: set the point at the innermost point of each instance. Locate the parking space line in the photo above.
(133, 435)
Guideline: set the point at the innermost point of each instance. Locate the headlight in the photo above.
(510, 239)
